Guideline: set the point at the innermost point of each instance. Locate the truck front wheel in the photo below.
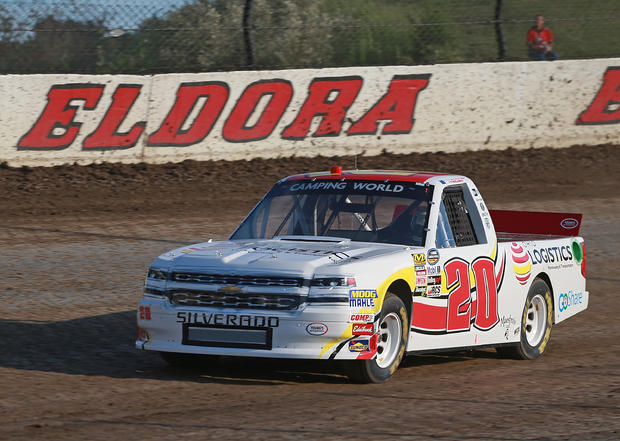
(391, 344)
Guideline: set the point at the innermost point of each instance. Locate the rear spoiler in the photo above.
(533, 222)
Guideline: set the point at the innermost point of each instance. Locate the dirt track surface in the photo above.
(76, 242)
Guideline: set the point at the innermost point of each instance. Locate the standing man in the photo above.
(540, 41)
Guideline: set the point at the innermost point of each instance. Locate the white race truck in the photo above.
(367, 267)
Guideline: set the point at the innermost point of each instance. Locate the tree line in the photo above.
(208, 35)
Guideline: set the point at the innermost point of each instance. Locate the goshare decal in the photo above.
(570, 299)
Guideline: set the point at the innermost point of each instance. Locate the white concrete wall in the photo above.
(462, 107)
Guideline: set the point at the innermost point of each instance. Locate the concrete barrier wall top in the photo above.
(55, 119)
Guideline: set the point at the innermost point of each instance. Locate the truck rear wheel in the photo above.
(391, 344)
(536, 323)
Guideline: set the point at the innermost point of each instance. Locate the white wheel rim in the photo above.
(536, 320)
(388, 342)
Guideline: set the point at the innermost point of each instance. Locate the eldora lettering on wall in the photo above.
(197, 106)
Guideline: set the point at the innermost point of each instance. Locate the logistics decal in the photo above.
(555, 254)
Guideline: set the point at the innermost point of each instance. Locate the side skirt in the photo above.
(459, 349)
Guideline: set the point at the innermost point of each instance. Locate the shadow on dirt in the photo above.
(104, 346)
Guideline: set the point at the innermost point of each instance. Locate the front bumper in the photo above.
(311, 332)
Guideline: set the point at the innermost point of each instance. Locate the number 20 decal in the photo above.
(461, 308)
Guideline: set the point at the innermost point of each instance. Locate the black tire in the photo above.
(371, 371)
(181, 360)
(535, 334)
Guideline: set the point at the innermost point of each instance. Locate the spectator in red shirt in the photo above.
(540, 41)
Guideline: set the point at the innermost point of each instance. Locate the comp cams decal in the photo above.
(362, 318)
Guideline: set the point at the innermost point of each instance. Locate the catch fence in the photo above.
(159, 36)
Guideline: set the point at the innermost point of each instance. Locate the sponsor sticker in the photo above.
(362, 298)
(419, 259)
(432, 270)
(419, 267)
(419, 290)
(363, 329)
(434, 280)
(569, 223)
(452, 181)
(521, 263)
(316, 329)
(557, 254)
(144, 335)
(432, 256)
(145, 312)
(365, 318)
(434, 291)
(420, 280)
(359, 345)
(569, 299)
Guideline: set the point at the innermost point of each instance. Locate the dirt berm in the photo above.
(75, 243)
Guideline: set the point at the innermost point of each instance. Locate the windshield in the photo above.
(363, 211)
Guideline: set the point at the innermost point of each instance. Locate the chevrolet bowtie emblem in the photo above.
(230, 289)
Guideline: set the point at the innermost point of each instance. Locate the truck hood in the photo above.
(300, 257)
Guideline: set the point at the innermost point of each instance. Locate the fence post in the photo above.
(499, 30)
(247, 33)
